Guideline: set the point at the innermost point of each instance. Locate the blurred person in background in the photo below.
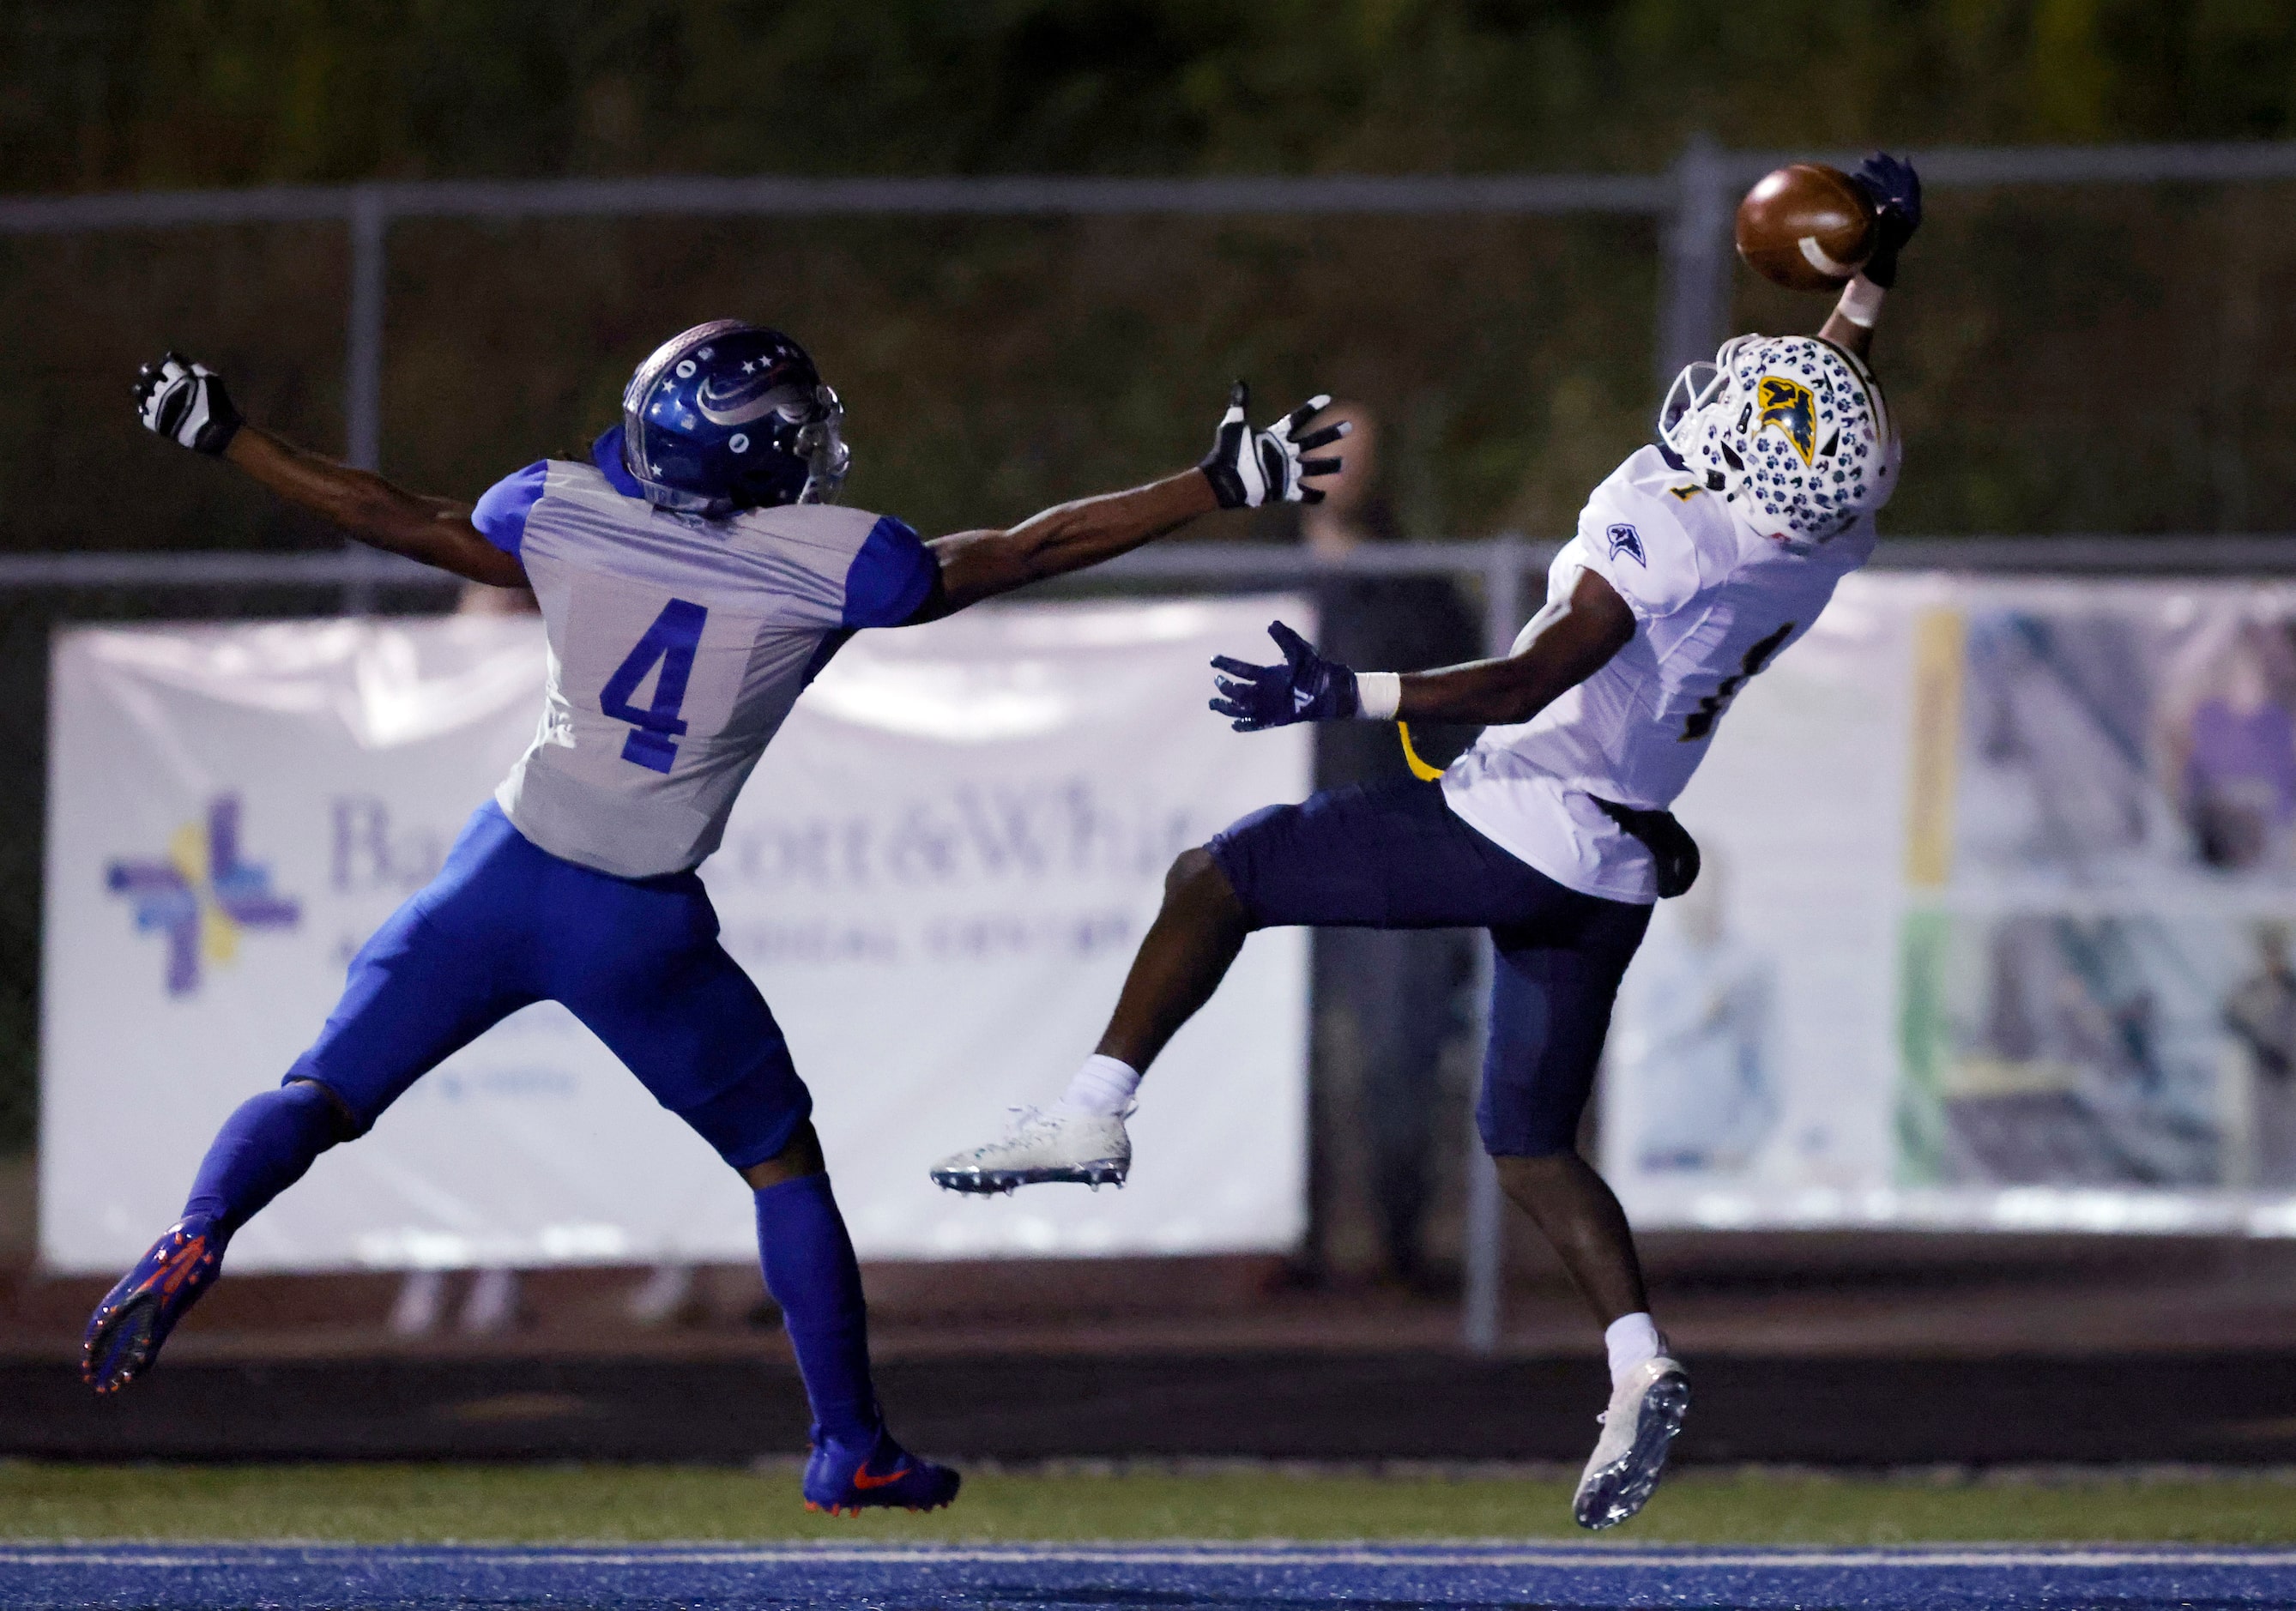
(2236, 782)
(2260, 1013)
(1386, 999)
(1697, 561)
(695, 560)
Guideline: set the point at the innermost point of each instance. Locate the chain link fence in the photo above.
(2087, 342)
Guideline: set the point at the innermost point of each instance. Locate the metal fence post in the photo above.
(1693, 302)
(1486, 1236)
(362, 354)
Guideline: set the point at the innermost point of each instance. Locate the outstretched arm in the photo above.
(977, 565)
(1571, 639)
(436, 531)
(187, 404)
(1245, 469)
(1895, 190)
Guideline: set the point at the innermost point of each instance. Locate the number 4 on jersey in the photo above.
(672, 639)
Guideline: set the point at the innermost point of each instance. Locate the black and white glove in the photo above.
(1895, 190)
(185, 403)
(1248, 468)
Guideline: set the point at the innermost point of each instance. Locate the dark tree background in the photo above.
(109, 93)
(2097, 358)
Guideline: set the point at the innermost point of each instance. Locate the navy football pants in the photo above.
(1394, 855)
(504, 925)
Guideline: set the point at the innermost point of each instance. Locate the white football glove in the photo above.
(1248, 468)
(185, 403)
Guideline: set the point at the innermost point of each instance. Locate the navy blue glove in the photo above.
(1305, 688)
(1895, 190)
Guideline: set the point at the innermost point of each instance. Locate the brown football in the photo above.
(1806, 226)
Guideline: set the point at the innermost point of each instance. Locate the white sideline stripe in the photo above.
(1566, 1558)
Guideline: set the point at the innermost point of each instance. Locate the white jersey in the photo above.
(676, 647)
(1714, 602)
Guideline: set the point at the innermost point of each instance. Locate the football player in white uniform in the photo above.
(694, 574)
(1696, 563)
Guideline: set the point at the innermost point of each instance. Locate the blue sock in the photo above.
(811, 1272)
(263, 1148)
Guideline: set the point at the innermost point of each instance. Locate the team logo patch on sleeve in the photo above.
(1625, 540)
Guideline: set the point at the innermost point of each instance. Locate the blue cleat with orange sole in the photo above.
(842, 1481)
(125, 1333)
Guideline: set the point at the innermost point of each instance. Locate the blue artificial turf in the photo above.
(1174, 1576)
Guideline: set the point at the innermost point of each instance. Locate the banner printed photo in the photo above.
(2001, 933)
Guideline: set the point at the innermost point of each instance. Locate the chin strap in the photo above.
(1419, 768)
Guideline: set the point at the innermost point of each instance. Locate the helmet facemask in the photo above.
(821, 443)
(1704, 393)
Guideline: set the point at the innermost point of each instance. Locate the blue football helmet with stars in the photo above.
(728, 416)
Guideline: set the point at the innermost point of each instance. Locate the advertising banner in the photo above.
(1996, 925)
(937, 875)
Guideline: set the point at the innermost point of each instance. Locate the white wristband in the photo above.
(1379, 695)
(1861, 302)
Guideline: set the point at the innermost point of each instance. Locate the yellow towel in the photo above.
(1419, 768)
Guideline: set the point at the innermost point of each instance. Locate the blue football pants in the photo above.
(1395, 855)
(504, 925)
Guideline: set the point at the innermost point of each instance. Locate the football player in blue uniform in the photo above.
(694, 574)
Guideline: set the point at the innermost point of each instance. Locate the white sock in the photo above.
(1102, 1086)
(1631, 1340)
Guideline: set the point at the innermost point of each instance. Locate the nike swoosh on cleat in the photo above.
(864, 1482)
(172, 1271)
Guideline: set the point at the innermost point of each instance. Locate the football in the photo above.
(1806, 226)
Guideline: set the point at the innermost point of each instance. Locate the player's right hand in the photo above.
(1305, 688)
(1895, 190)
(1248, 468)
(185, 403)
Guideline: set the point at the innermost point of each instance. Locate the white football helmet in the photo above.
(1792, 430)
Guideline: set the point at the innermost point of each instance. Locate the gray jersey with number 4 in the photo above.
(676, 647)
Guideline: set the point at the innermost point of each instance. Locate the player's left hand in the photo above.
(185, 403)
(1305, 688)
(1895, 190)
(1248, 468)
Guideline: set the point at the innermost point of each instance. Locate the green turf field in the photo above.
(382, 1503)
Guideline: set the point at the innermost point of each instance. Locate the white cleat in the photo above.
(1045, 1144)
(1646, 1411)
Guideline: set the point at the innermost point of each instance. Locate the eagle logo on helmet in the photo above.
(1789, 406)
